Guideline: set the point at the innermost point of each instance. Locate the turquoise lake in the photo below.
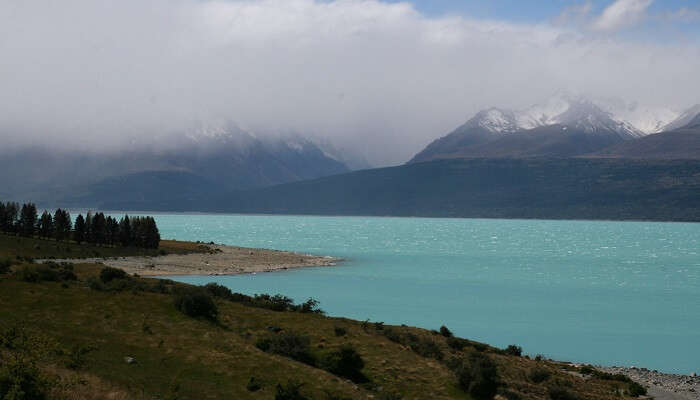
(612, 293)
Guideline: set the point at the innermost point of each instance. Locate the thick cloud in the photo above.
(374, 77)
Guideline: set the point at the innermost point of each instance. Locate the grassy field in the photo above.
(12, 246)
(79, 333)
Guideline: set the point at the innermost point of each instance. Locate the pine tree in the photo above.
(80, 229)
(99, 229)
(11, 212)
(152, 235)
(89, 237)
(112, 231)
(2, 217)
(125, 237)
(27, 220)
(62, 224)
(46, 225)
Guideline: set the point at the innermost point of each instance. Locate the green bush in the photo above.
(426, 347)
(29, 274)
(109, 274)
(253, 385)
(560, 393)
(290, 391)
(345, 362)
(457, 343)
(445, 332)
(636, 390)
(289, 344)
(340, 331)
(196, 302)
(477, 375)
(513, 350)
(5, 265)
(21, 380)
(539, 375)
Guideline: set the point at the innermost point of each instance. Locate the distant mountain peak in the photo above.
(562, 108)
(495, 120)
(685, 118)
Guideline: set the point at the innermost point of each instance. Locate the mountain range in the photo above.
(569, 157)
(220, 158)
(563, 126)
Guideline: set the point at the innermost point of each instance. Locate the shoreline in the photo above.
(220, 260)
(661, 386)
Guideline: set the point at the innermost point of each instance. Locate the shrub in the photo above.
(95, 284)
(29, 274)
(340, 331)
(345, 362)
(5, 265)
(20, 379)
(560, 393)
(76, 356)
(427, 348)
(379, 326)
(219, 291)
(196, 302)
(480, 346)
(513, 350)
(309, 306)
(253, 385)
(636, 390)
(290, 391)
(477, 375)
(289, 344)
(457, 343)
(445, 332)
(539, 375)
(109, 274)
(393, 335)
(586, 370)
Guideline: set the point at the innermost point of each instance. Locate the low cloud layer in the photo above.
(377, 78)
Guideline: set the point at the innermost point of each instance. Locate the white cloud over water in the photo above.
(379, 78)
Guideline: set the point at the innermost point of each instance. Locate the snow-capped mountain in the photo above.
(562, 126)
(684, 118)
(564, 109)
(647, 119)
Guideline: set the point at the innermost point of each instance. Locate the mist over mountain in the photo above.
(218, 158)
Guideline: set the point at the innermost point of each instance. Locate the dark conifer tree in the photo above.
(11, 212)
(112, 231)
(99, 229)
(2, 217)
(28, 219)
(125, 235)
(62, 224)
(80, 229)
(89, 237)
(46, 225)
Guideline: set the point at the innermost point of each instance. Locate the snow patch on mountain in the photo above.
(684, 118)
(562, 108)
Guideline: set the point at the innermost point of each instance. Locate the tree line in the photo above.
(92, 228)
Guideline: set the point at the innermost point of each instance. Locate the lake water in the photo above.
(614, 293)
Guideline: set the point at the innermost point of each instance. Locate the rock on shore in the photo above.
(662, 386)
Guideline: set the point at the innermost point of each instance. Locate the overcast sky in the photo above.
(382, 78)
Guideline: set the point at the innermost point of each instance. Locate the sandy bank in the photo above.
(222, 260)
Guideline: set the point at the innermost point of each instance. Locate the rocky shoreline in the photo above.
(661, 386)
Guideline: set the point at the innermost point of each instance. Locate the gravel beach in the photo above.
(221, 260)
